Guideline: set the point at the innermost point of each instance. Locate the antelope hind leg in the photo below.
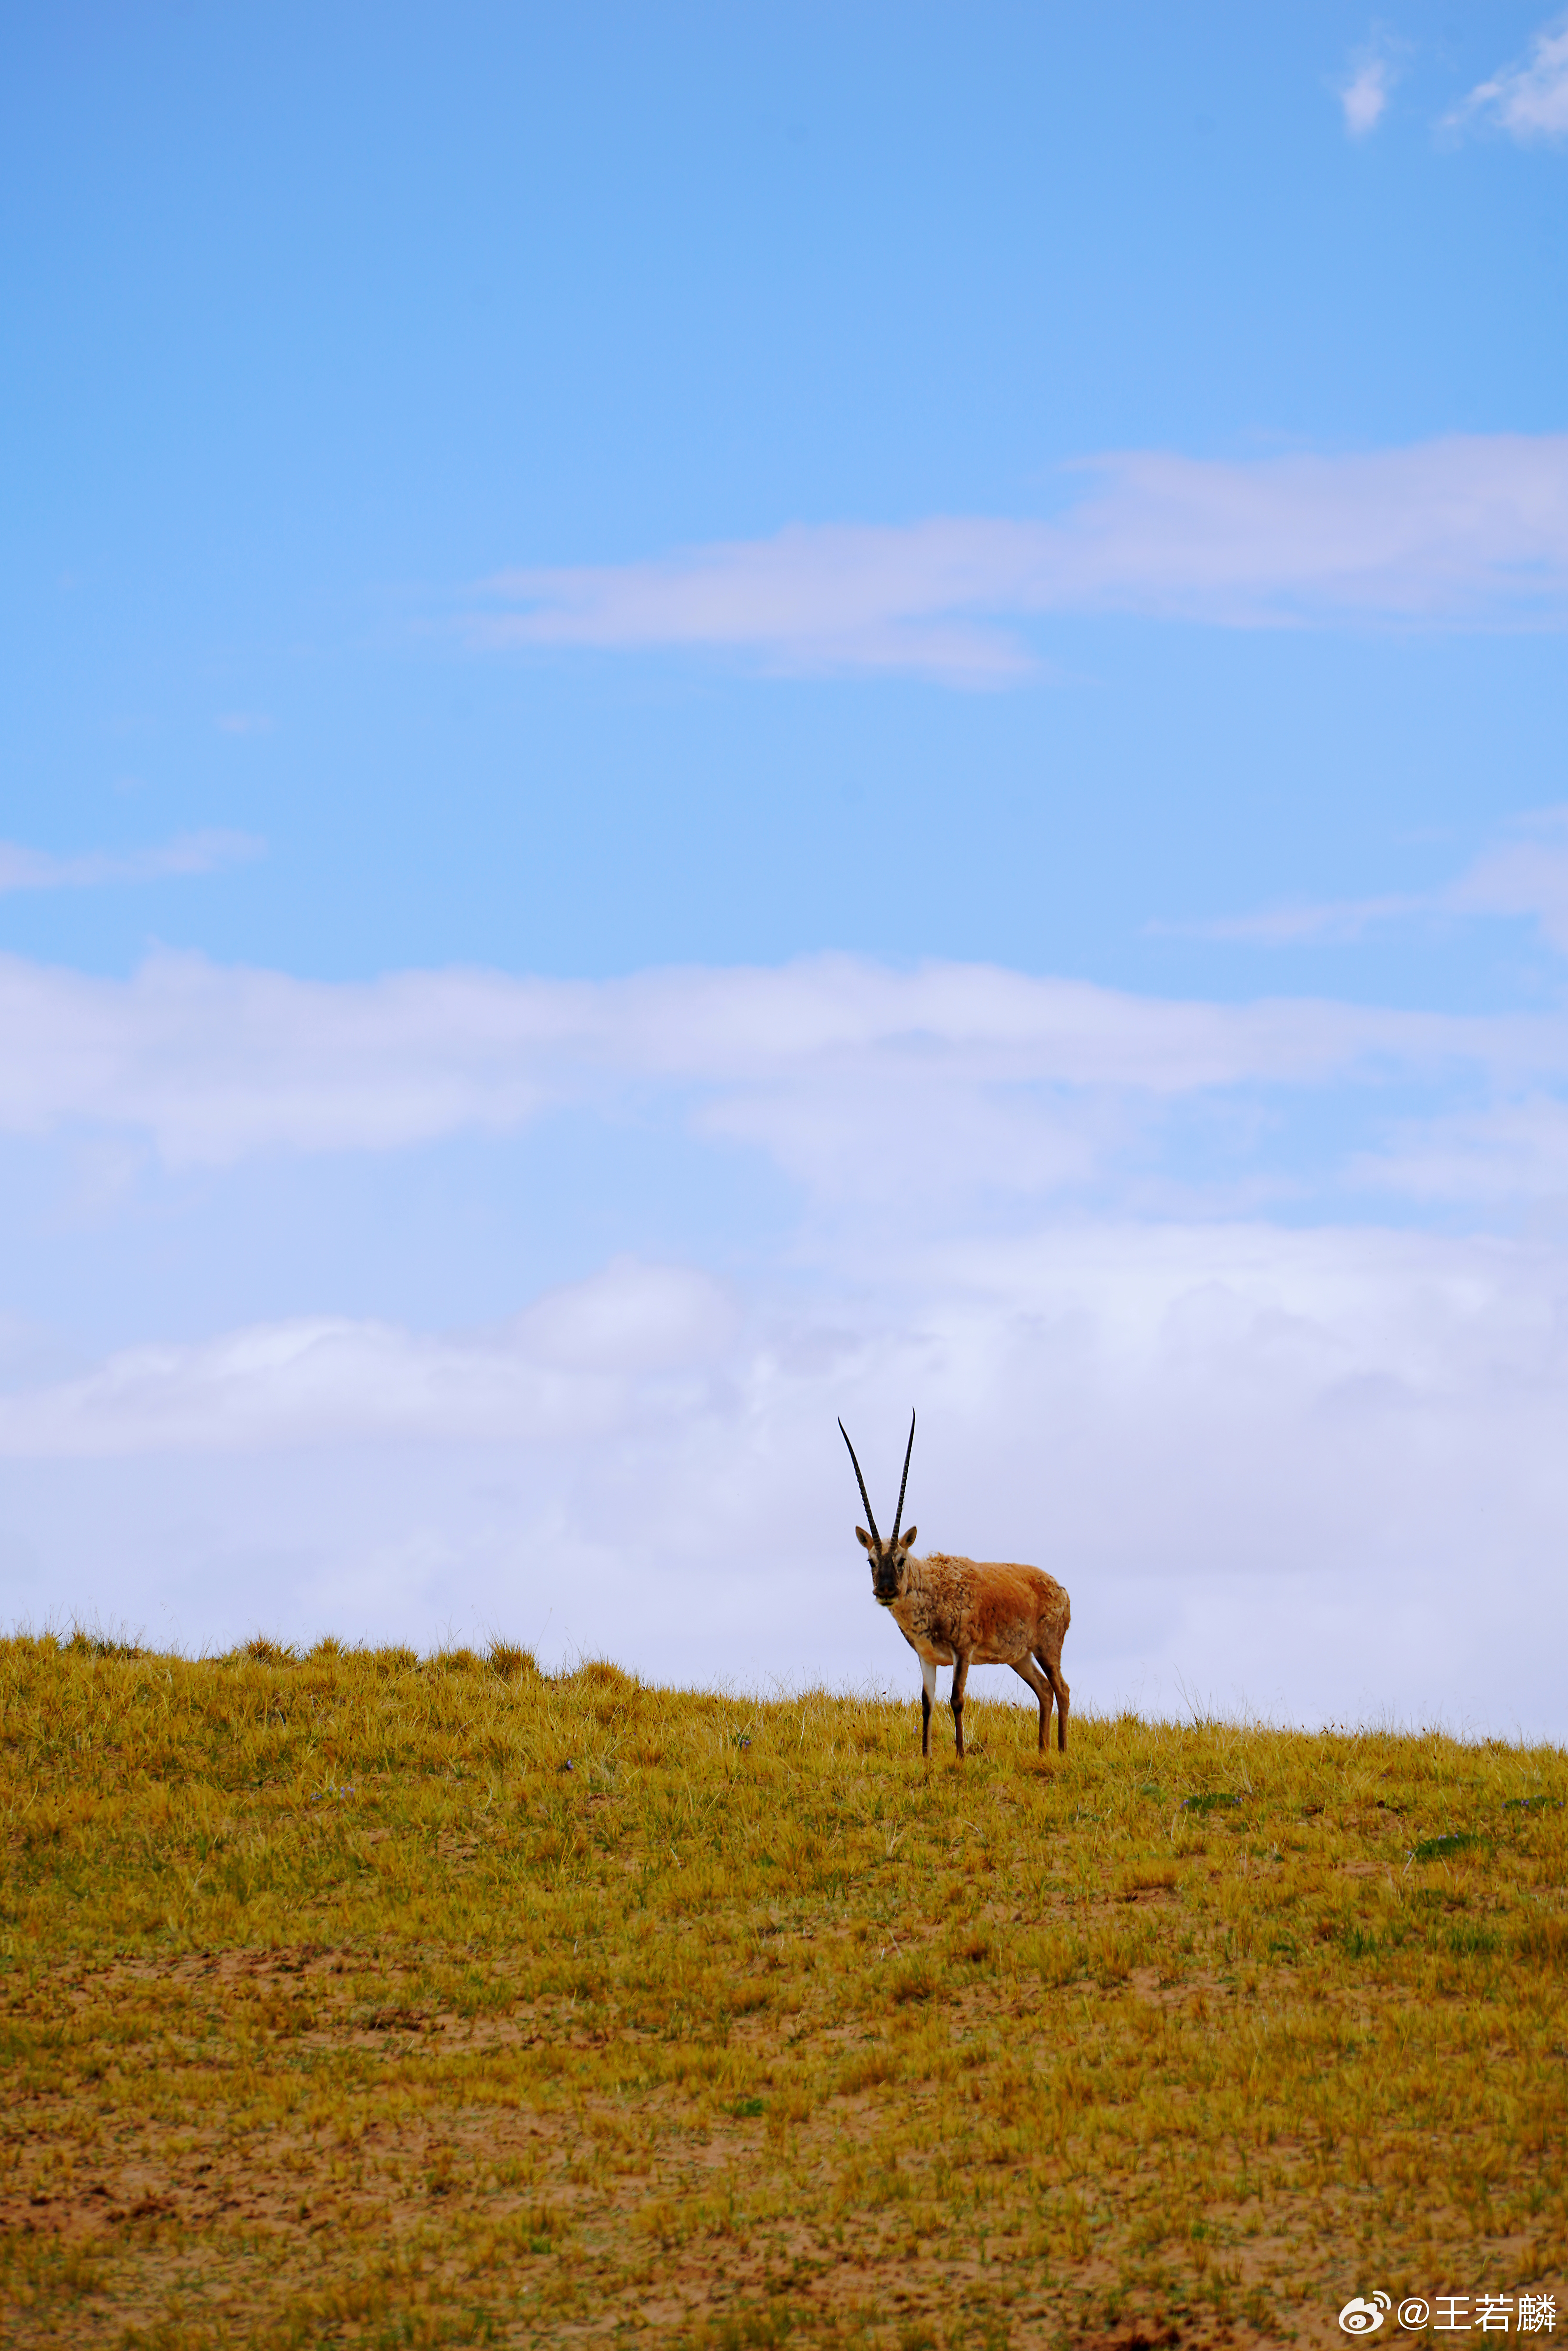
(1058, 1680)
(1029, 1672)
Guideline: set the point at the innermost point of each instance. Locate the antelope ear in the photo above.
(862, 1538)
(906, 1539)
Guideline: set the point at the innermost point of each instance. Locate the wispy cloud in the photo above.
(1471, 530)
(188, 853)
(1509, 1155)
(1524, 877)
(1302, 921)
(561, 1367)
(818, 597)
(1364, 94)
(213, 1064)
(1528, 101)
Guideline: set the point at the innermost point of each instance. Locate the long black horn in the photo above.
(905, 1480)
(860, 1481)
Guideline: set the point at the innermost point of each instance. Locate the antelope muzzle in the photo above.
(884, 1579)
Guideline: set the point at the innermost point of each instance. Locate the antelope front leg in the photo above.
(927, 1692)
(960, 1676)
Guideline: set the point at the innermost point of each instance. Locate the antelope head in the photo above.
(889, 1560)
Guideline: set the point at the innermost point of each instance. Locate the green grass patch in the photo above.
(335, 2007)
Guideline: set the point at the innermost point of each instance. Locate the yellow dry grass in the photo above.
(358, 1998)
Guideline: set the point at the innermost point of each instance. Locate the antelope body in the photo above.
(968, 1612)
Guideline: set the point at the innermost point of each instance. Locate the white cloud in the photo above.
(1511, 1155)
(1273, 1463)
(1527, 875)
(1334, 920)
(187, 853)
(1528, 101)
(1364, 96)
(1469, 530)
(1524, 875)
(213, 1064)
(555, 1373)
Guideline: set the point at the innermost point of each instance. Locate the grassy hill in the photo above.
(354, 1998)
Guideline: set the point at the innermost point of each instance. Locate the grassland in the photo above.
(366, 1999)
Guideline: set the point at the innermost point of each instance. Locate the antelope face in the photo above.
(889, 1560)
(889, 1564)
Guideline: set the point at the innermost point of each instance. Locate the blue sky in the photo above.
(714, 718)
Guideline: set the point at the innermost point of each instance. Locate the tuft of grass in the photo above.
(350, 1998)
(1440, 1848)
(265, 1652)
(92, 1641)
(509, 1661)
(456, 1661)
(600, 1673)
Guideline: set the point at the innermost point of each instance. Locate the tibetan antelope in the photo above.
(967, 1612)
